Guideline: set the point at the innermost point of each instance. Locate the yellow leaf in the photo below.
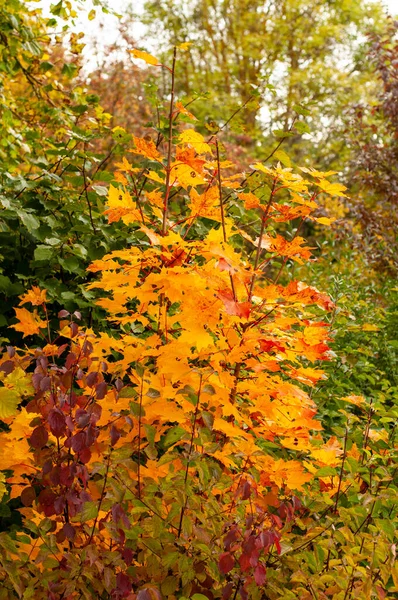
(148, 58)
(185, 176)
(369, 327)
(196, 140)
(184, 46)
(333, 189)
(20, 382)
(121, 206)
(324, 220)
(9, 400)
(357, 400)
(154, 176)
(3, 488)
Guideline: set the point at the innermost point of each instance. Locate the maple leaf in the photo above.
(196, 140)
(182, 110)
(35, 296)
(250, 200)
(125, 165)
(189, 157)
(146, 148)
(206, 204)
(357, 400)
(184, 175)
(29, 323)
(239, 309)
(121, 206)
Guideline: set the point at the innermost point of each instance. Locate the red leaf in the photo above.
(260, 574)
(244, 562)
(226, 563)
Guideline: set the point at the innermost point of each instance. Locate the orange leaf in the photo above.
(146, 148)
(35, 296)
(29, 323)
(240, 309)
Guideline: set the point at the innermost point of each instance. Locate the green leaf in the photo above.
(173, 436)
(302, 127)
(30, 221)
(89, 511)
(326, 472)
(100, 190)
(70, 264)
(301, 110)
(283, 158)
(43, 252)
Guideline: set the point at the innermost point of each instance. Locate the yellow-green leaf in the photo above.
(9, 400)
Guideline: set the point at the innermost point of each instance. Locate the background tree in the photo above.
(307, 50)
(373, 177)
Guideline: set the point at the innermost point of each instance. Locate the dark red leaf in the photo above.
(56, 420)
(100, 390)
(78, 441)
(69, 531)
(227, 591)
(39, 437)
(85, 455)
(7, 366)
(45, 384)
(115, 435)
(92, 378)
(82, 417)
(232, 536)
(28, 496)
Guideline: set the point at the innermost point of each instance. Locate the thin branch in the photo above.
(260, 239)
(169, 145)
(189, 453)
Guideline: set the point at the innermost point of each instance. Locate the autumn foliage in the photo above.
(170, 454)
